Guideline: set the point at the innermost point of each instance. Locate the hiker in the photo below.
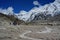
(14, 23)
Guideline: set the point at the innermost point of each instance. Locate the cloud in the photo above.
(57, 1)
(36, 3)
(23, 12)
(8, 11)
(47, 9)
(23, 15)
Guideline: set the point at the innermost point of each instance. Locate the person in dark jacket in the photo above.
(14, 23)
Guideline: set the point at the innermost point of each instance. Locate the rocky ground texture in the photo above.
(34, 31)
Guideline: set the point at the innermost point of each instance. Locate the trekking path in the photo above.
(23, 35)
(48, 30)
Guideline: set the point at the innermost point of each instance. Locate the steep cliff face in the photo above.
(4, 19)
(39, 18)
(9, 19)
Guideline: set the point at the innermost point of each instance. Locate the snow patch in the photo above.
(52, 8)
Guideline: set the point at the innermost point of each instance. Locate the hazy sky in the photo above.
(21, 4)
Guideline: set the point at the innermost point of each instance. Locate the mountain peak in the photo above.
(48, 9)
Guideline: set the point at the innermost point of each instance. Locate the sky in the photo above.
(22, 4)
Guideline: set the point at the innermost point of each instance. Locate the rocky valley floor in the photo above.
(29, 32)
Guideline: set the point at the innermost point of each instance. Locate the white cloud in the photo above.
(36, 3)
(23, 12)
(28, 16)
(57, 0)
(23, 15)
(46, 9)
(8, 11)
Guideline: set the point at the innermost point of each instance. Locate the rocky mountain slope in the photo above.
(48, 9)
(40, 23)
(41, 12)
(10, 31)
(41, 18)
(10, 19)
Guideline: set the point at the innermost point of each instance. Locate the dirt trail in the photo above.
(48, 30)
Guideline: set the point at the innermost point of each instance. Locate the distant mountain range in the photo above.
(49, 12)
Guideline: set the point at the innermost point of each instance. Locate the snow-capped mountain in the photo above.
(8, 11)
(41, 12)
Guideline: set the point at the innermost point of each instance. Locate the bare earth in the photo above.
(29, 32)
